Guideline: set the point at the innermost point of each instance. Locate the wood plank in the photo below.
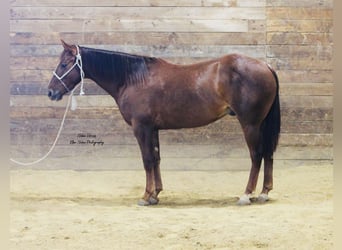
(128, 25)
(141, 3)
(29, 88)
(301, 63)
(305, 76)
(122, 3)
(305, 140)
(139, 38)
(32, 63)
(256, 26)
(299, 13)
(322, 127)
(302, 3)
(282, 25)
(306, 114)
(307, 101)
(31, 75)
(302, 38)
(140, 13)
(251, 3)
(288, 51)
(303, 89)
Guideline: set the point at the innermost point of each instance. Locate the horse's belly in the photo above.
(173, 108)
(188, 117)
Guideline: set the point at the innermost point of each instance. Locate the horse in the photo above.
(153, 94)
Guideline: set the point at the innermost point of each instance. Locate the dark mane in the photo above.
(123, 68)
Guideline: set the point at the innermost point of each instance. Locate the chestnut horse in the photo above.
(153, 94)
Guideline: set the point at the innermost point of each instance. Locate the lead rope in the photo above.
(72, 101)
(80, 66)
(54, 143)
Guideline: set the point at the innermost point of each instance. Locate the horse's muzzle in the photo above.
(54, 95)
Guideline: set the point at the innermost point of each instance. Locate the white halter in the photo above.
(78, 63)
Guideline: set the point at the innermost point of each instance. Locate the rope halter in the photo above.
(77, 63)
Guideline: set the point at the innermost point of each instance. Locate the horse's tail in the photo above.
(271, 124)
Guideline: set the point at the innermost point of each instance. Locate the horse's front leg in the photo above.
(156, 151)
(144, 135)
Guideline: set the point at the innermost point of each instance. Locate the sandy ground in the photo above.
(97, 210)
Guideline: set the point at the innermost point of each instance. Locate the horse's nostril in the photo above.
(51, 94)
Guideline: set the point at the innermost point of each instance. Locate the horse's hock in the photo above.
(295, 38)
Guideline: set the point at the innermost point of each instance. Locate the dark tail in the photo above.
(271, 124)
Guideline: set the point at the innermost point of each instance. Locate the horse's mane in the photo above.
(122, 67)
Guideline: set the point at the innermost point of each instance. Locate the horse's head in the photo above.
(68, 73)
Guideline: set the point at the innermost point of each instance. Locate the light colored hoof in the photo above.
(142, 202)
(151, 201)
(244, 200)
(263, 198)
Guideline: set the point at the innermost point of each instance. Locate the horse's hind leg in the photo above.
(268, 179)
(253, 139)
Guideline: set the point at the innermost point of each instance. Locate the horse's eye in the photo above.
(64, 65)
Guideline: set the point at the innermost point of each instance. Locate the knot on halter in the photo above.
(77, 63)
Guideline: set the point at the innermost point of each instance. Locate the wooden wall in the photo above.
(295, 37)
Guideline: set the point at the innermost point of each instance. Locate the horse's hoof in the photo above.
(263, 198)
(142, 202)
(244, 200)
(151, 201)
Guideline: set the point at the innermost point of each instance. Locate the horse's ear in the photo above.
(71, 48)
(65, 45)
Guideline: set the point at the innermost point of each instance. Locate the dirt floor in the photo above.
(97, 210)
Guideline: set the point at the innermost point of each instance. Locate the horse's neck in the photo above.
(95, 70)
(112, 71)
